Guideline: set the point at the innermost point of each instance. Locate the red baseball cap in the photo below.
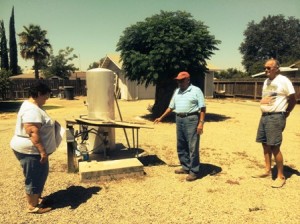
(182, 75)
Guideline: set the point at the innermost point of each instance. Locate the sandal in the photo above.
(278, 183)
(262, 175)
(39, 210)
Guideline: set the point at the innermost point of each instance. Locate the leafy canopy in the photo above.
(60, 65)
(230, 73)
(3, 47)
(34, 45)
(156, 49)
(5, 82)
(13, 50)
(273, 37)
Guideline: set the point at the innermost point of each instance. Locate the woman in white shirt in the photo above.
(33, 142)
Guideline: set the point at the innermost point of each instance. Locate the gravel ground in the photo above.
(225, 194)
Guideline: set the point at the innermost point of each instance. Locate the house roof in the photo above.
(116, 59)
(282, 69)
(212, 67)
(78, 75)
(295, 65)
(30, 75)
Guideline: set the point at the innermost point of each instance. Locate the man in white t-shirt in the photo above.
(278, 100)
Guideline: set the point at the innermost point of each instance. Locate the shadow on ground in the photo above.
(14, 106)
(151, 160)
(122, 152)
(71, 197)
(10, 106)
(209, 117)
(287, 170)
(207, 169)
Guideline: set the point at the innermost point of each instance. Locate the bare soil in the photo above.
(226, 193)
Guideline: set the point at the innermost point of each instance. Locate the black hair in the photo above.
(38, 87)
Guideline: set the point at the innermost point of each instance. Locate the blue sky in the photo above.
(93, 27)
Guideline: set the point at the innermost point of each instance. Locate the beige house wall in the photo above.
(130, 90)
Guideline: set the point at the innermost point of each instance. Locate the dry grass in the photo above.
(225, 194)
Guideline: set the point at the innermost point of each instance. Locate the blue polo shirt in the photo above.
(188, 101)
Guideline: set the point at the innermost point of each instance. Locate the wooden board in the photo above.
(103, 123)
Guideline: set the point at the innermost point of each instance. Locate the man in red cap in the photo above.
(188, 104)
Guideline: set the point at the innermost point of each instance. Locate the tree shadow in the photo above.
(14, 106)
(287, 170)
(209, 117)
(72, 197)
(10, 106)
(50, 107)
(207, 169)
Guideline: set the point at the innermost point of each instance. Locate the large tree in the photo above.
(5, 83)
(96, 64)
(34, 45)
(3, 47)
(13, 51)
(230, 73)
(155, 50)
(273, 37)
(60, 65)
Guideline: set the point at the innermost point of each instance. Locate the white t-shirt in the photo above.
(31, 113)
(275, 94)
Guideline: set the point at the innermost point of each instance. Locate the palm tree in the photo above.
(34, 45)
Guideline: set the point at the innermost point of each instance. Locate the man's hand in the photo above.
(44, 158)
(157, 120)
(200, 129)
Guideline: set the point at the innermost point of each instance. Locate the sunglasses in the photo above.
(268, 68)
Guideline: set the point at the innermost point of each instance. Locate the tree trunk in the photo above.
(36, 69)
(163, 94)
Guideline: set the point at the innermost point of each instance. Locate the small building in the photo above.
(130, 90)
(126, 89)
(209, 88)
(78, 75)
(29, 74)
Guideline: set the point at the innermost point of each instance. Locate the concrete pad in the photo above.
(110, 170)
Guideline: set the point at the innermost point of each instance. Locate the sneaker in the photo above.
(262, 175)
(181, 171)
(278, 183)
(191, 177)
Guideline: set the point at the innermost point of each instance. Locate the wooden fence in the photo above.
(226, 88)
(19, 87)
(246, 88)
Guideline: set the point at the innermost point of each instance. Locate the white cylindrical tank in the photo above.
(100, 103)
(100, 94)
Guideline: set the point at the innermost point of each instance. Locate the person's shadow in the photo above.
(72, 197)
(208, 169)
(288, 172)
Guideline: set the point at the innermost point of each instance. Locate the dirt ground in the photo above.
(226, 193)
